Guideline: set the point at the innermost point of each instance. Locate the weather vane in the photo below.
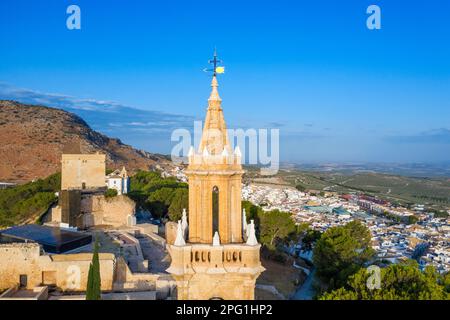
(216, 69)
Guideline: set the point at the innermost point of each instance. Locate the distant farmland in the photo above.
(430, 191)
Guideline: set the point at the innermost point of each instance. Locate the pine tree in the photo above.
(341, 251)
(93, 291)
(403, 281)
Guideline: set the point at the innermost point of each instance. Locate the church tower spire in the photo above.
(214, 135)
(215, 175)
(215, 261)
(214, 96)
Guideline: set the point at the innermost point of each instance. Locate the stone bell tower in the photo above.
(216, 255)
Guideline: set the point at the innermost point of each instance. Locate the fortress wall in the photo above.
(68, 272)
(17, 259)
(107, 211)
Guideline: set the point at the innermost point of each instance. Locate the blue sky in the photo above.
(337, 91)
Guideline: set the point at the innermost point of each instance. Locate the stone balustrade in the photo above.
(214, 259)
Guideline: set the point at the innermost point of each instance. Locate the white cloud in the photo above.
(100, 114)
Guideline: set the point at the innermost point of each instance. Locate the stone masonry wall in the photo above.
(67, 271)
(100, 210)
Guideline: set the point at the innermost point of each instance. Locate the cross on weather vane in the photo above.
(216, 69)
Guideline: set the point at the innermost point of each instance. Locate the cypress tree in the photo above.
(93, 291)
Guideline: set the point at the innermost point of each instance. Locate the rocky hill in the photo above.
(33, 138)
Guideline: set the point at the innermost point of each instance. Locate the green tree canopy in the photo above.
(412, 219)
(156, 194)
(341, 251)
(307, 235)
(252, 211)
(274, 225)
(28, 201)
(271, 226)
(180, 201)
(110, 193)
(397, 282)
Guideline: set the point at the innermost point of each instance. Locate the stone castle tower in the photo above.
(216, 255)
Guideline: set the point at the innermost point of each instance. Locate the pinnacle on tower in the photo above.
(237, 151)
(184, 223)
(244, 220)
(216, 239)
(179, 240)
(191, 151)
(251, 240)
(214, 96)
(225, 152)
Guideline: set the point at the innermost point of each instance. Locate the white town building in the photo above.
(119, 180)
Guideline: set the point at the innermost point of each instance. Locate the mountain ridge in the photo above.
(34, 136)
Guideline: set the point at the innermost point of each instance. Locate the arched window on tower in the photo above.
(215, 209)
